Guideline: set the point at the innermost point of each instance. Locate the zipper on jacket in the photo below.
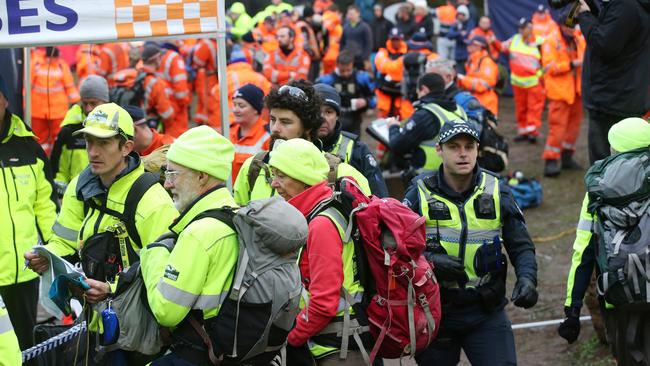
(13, 226)
(13, 176)
(462, 241)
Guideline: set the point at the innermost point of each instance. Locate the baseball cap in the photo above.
(457, 127)
(150, 50)
(107, 120)
(136, 113)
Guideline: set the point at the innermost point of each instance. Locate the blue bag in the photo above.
(527, 192)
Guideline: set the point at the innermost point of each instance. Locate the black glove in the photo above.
(525, 294)
(569, 329)
(446, 267)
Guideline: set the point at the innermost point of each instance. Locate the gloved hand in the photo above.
(446, 267)
(525, 294)
(569, 329)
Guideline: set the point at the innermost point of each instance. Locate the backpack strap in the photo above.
(137, 191)
(257, 164)
(333, 161)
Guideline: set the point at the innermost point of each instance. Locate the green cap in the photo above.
(629, 134)
(300, 160)
(107, 120)
(205, 150)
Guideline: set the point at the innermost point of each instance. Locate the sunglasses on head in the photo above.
(293, 91)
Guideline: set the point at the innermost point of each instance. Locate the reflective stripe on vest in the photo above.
(432, 160)
(343, 148)
(5, 324)
(252, 149)
(351, 289)
(189, 300)
(525, 62)
(463, 233)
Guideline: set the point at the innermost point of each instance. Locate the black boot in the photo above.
(552, 168)
(532, 139)
(520, 138)
(568, 163)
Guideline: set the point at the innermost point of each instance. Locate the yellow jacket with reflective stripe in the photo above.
(350, 284)
(27, 205)
(9, 349)
(69, 155)
(463, 233)
(198, 272)
(432, 159)
(525, 61)
(262, 188)
(74, 225)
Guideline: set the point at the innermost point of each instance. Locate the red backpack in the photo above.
(402, 296)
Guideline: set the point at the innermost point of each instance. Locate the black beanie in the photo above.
(330, 96)
(252, 94)
(434, 82)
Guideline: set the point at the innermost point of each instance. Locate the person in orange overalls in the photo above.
(204, 61)
(446, 15)
(333, 33)
(249, 132)
(481, 74)
(172, 69)
(526, 72)
(288, 62)
(484, 29)
(390, 68)
(53, 92)
(113, 57)
(157, 100)
(562, 58)
(87, 57)
(543, 24)
(238, 73)
(265, 34)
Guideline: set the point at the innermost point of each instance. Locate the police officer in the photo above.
(469, 217)
(295, 111)
(69, 153)
(415, 139)
(27, 213)
(356, 90)
(625, 135)
(346, 145)
(97, 197)
(196, 273)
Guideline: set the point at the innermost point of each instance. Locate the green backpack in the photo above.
(619, 197)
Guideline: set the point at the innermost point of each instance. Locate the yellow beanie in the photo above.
(205, 150)
(629, 134)
(300, 160)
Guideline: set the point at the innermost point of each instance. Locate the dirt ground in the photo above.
(558, 213)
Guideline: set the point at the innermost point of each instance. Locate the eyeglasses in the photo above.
(293, 91)
(170, 175)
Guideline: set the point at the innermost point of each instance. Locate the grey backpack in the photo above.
(619, 196)
(263, 302)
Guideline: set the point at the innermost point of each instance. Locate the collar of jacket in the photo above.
(445, 190)
(307, 200)
(216, 197)
(89, 185)
(445, 103)
(13, 127)
(330, 141)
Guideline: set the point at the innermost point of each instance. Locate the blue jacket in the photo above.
(460, 32)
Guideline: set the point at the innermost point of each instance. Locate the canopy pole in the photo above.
(221, 71)
(27, 84)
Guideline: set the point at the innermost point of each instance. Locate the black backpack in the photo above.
(130, 91)
(414, 66)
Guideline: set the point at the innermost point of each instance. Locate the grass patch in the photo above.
(592, 353)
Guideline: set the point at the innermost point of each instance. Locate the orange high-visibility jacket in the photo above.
(257, 139)
(447, 16)
(172, 69)
(332, 24)
(156, 98)
(278, 66)
(113, 57)
(562, 80)
(205, 63)
(238, 75)
(389, 61)
(544, 26)
(493, 42)
(481, 74)
(87, 57)
(53, 88)
(266, 38)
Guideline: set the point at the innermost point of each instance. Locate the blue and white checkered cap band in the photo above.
(456, 129)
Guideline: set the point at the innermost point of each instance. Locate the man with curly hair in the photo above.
(295, 112)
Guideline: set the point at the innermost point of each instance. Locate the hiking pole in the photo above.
(545, 323)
